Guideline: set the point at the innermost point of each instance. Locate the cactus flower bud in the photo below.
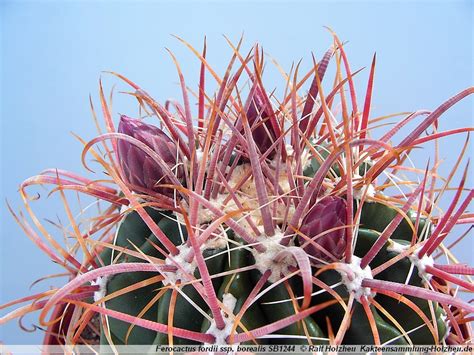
(262, 130)
(328, 213)
(138, 168)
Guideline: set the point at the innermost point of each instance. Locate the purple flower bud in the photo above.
(327, 214)
(138, 168)
(262, 130)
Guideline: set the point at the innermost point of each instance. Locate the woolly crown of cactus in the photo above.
(258, 219)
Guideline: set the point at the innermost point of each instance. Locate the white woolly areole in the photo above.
(305, 158)
(206, 215)
(360, 274)
(229, 301)
(420, 264)
(101, 281)
(199, 155)
(221, 334)
(359, 192)
(267, 260)
(180, 259)
(216, 242)
(395, 247)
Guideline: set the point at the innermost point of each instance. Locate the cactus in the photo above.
(261, 221)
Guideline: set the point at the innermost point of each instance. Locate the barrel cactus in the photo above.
(260, 220)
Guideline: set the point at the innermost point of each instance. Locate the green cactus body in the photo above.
(359, 332)
(134, 230)
(277, 311)
(186, 315)
(377, 216)
(239, 285)
(404, 314)
(399, 273)
(322, 152)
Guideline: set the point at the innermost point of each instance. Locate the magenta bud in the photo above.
(328, 213)
(139, 169)
(262, 130)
